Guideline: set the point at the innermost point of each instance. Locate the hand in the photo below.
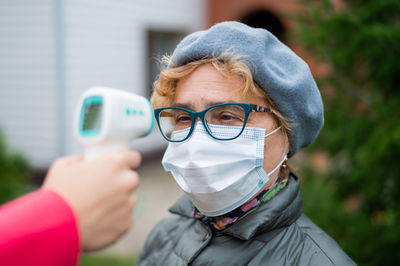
(100, 193)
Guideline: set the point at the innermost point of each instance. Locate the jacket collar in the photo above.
(280, 211)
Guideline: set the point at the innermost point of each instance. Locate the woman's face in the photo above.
(206, 86)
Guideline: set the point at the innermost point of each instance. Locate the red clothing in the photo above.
(38, 229)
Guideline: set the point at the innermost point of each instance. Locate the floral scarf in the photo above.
(224, 221)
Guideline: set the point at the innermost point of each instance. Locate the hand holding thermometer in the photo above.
(109, 119)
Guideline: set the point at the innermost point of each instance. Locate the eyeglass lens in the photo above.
(175, 123)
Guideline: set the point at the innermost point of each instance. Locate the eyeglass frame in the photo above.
(247, 107)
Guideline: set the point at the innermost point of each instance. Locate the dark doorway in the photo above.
(266, 20)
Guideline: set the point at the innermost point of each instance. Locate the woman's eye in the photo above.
(227, 117)
(182, 119)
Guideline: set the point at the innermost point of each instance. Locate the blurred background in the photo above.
(52, 50)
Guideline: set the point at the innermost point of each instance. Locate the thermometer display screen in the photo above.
(92, 116)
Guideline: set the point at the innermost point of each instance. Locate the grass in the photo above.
(106, 260)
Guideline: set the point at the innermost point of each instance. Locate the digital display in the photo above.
(92, 116)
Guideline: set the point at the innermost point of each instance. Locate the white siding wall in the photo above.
(27, 84)
(51, 50)
(106, 44)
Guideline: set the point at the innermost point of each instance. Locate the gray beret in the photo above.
(276, 68)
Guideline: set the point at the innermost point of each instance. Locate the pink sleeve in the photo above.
(38, 229)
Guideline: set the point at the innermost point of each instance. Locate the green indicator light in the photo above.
(134, 111)
(141, 112)
(128, 112)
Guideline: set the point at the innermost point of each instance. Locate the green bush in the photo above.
(355, 199)
(14, 173)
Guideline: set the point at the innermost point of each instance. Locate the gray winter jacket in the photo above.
(277, 233)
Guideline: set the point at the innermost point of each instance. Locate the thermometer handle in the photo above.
(93, 151)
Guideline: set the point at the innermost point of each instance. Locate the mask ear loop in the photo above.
(273, 131)
(279, 165)
(284, 158)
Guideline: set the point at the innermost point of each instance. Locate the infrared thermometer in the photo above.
(109, 119)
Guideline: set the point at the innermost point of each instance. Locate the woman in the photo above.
(234, 103)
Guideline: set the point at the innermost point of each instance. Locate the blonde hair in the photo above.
(226, 64)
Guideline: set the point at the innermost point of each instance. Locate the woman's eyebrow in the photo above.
(184, 105)
(208, 104)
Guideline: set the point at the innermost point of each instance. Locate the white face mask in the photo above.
(219, 176)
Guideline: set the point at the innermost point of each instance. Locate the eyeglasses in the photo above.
(176, 123)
